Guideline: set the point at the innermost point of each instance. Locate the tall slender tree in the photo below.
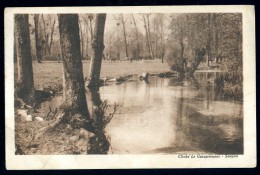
(216, 36)
(98, 47)
(161, 34)
(136, 33)
(48, 26)
(147, 33)
(90, 18)
(37, 38)
(124, 32)
(51, 37)
(45, 40)
(25, 83)
(209, 39)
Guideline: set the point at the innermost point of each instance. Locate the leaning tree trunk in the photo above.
(124, 32)
(98, 47)
(149, 37)
(37, 38)
(25, 84)
(189, 71)
(199, 55)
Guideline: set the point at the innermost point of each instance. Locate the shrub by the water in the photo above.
(173, 59)
(230, 85)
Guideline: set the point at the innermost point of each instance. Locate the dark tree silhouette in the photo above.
(25, 83)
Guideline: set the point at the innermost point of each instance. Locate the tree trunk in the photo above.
(182, 51)
(147, 37)
(209, 39)
(91, 28)
(136, 33)
(216, 37)
(162, 47)
(146, 34)
(110, 47)
(81, 39)
(162, 56)
(98, 47)
(25, 82)
(37, 39)
(94, 97)
(87, 45)
(123, 23)
(161, 40)
(155, 42)
(45, 36)
(51, 39)
(199, 55)
(74, 90)
(87, 36)
(15, 53)
(182, 47)
(98, 143)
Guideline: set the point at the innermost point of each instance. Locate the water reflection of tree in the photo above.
(98, 143)
(210, 133)
(192, 81)
(124, 93)
(147, 81)
(180, 126)
(180, 110)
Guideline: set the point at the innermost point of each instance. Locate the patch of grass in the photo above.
(50, 73)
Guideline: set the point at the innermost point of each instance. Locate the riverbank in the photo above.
(49, 73)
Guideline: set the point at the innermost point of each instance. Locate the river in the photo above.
(163, 116)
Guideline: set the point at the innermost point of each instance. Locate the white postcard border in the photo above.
(248, 159)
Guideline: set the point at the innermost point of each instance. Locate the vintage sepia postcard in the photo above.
(130, 87)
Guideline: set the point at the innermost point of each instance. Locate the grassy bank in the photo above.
(49, 73)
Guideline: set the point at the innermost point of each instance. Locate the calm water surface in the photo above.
(164, 116)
